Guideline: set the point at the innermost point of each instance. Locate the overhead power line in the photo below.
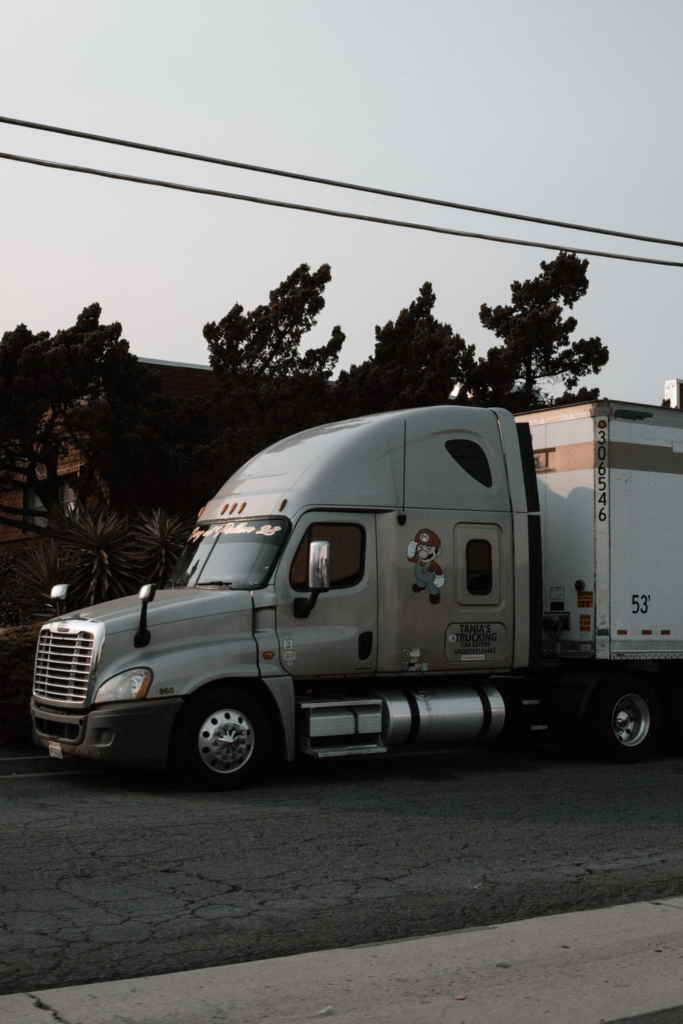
(331, 182)
(327, 212)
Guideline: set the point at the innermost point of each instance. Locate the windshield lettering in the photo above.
(232, 528)
(243, 553)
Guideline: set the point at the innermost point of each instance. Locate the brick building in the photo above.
(183, 380)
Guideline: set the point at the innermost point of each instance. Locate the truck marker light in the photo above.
(200, 511)
(282, 504)
(232, 508)
(602, 424)
(224, 508)
(622, 632)
(646, 632)
(665, 632)
(240, 510)
(268, 655)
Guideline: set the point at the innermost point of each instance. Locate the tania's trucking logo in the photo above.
(475, 641)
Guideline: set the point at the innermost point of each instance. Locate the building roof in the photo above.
(182, 380)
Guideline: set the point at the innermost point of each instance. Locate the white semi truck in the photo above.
(436, 575)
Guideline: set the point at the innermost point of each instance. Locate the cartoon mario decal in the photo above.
(422, 551)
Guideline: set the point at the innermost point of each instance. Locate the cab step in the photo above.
(337, 727)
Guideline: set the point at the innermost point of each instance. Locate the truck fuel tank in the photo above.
(441, 715)
(342, 726)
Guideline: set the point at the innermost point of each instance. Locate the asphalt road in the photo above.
(106, 875)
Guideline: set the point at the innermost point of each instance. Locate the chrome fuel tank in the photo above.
(431, 715)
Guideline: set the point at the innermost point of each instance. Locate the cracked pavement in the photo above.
(108, 875)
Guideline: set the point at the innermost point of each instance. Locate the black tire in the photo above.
(672, 714)
(623, 720)
(223, 740)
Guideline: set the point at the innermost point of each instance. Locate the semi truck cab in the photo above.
(355, 587)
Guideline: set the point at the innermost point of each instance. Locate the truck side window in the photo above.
(479, 567)
(347, 555)
(471, 457)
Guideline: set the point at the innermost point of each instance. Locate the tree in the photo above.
(268, 388)
(177, 463)
(417, 361)
(537, 351)
(76, 392)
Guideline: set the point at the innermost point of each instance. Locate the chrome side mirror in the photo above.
(318, 578)
(59, 594)
(146, 594)
(319, 565)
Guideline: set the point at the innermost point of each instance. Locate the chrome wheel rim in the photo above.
(226, 741)
(631, 720)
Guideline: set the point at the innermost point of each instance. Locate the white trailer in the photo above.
(610, 480)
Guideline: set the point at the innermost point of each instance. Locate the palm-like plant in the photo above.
(101, 553)
(160, 538)
(38, 568)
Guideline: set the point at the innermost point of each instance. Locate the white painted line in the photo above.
(52, 775)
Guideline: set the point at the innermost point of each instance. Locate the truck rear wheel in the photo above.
(623, 720)
(223, 740)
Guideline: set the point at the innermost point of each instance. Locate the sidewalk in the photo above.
(582, 968)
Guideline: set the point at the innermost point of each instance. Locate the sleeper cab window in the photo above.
(471, 457)
(479, 567)
(347, 555)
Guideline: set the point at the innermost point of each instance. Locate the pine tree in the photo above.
(537, 350)
(268, 387)
(416, 362)
(78, 391)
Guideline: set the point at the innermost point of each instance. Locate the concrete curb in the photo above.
(589, 967)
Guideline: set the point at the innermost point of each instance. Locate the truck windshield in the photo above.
(240, 555)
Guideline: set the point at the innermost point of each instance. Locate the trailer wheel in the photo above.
(623, 721)
(223, 740)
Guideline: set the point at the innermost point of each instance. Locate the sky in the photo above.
(570, 112)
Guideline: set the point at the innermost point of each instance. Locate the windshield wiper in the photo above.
(214, 583)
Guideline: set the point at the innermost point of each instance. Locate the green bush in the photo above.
(10, 609)
(17, 655)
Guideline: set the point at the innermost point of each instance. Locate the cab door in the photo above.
(462, 623)
(339, 635)
(481, 631)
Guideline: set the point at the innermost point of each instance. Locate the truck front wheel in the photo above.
(223, 740)
(623, 721)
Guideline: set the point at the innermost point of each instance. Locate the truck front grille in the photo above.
(63, 665)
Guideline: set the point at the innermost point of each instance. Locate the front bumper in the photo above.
(133, 733)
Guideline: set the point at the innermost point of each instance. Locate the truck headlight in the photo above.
(130, 685)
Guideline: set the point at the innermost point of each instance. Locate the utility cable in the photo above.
(330, 182)
(327, 212)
